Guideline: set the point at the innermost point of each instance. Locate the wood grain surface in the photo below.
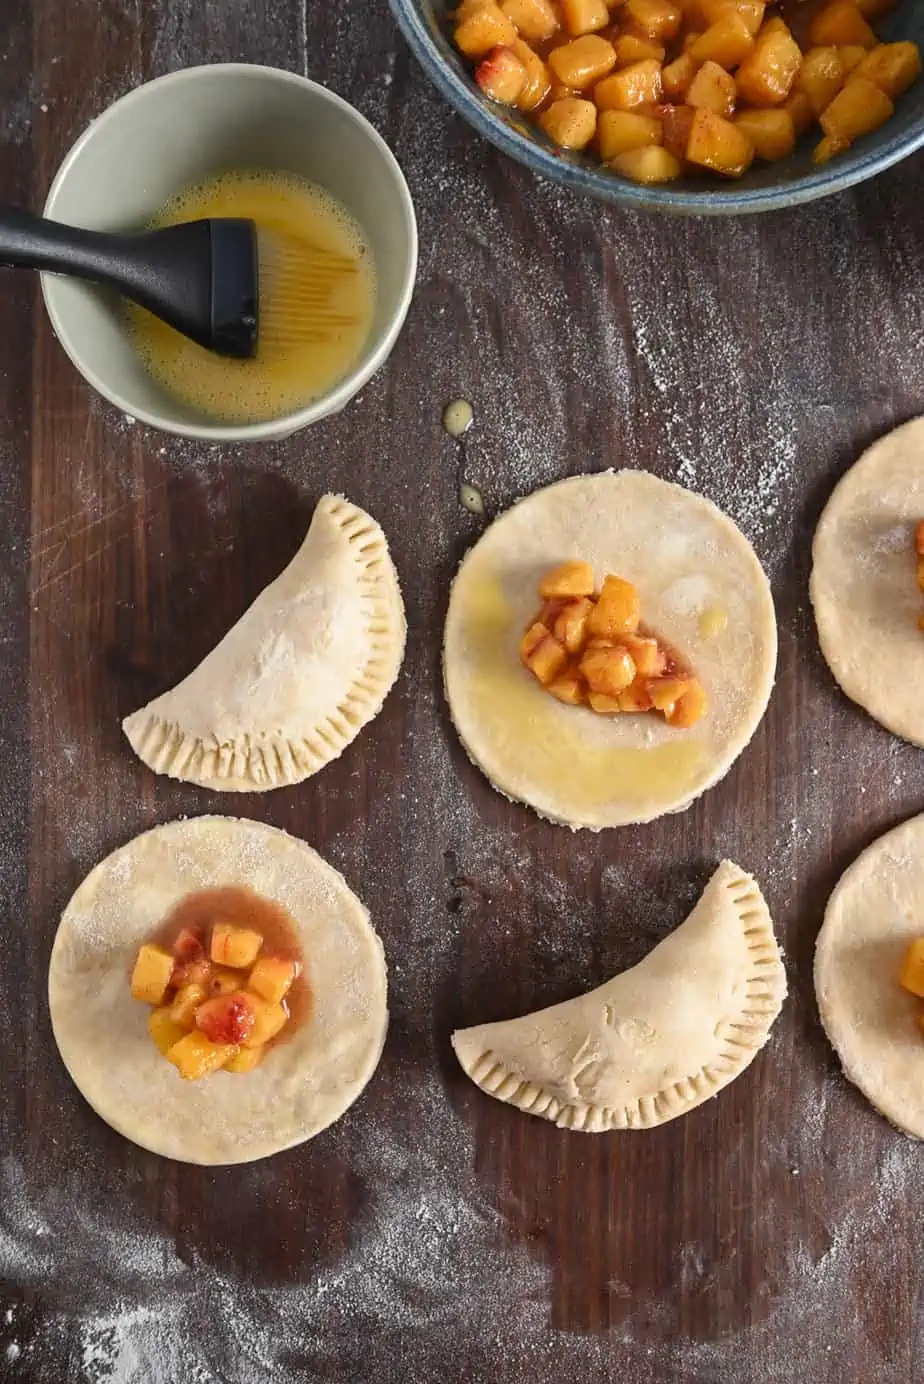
(772, 1236)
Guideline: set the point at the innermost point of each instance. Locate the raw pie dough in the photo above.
(691, 565)
(299, 675)
(303, 1084)
(657, 1040)
(863, 586)
(875, 911)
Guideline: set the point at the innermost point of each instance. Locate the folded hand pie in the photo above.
(701, 589)
(296, 679)
(102, 1033)
(655, 1041)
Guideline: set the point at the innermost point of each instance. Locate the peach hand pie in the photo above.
(655, 1041)
(217, 992)
(609, 649)
(297, 678)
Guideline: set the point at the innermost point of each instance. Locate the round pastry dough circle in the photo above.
(863, 588)
(687, 559)
(303, 1084)
(873, 914)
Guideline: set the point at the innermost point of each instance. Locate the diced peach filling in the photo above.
(911, 974)
(590, 649)
(215, 1006)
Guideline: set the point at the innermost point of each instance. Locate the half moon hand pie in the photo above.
(865, 588)
(701, 590)
(105, 1037)
(299, 675)
(657, 1040)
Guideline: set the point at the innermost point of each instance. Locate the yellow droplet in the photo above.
(471, 498)
(458, 417)
(713, 621)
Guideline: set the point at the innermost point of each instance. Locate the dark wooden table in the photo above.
(772, 1236)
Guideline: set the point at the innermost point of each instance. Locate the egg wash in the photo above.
(309, 341)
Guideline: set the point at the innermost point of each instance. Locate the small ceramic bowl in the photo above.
(766, 187)
(181, 129)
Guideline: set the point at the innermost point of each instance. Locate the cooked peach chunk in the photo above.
(651, 165)
(223, 981)
(799, 109)
(584, 16)
(635, 699)
(501, 76)
(665, 693)
(481, 30)
(151, 974)
(718, 144)
(185, 1003)
(829, 148)
(767, 75)
(603, 705)
(191, 973)
(689, 707)
(542, 654)
(568, 688)
(851, 55)
(571, 621)
(269, 1019)
(163, 1030)
(858, 108)
(676, 122)
(841, 23)
(892, 66)
(566, 580)
(712, 89)
(771, 132)
(821, 77)
(911, 975)
(919, 572)
(919, 538)
(227, 1018)
(272, 978)
(631, 86)
(195, 1056)
(617, 610)
(658, 19)
(244, 1060)
(676, 76)
(608, 671)
(751, 11)
(570, 122)
(583, 61)
(618, 131)
(646, 655)
(631, 48)
(237, 947)
(538, 81)
(188, 945)
(534, 20)
(727, 42)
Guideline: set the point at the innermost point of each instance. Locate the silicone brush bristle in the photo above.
(299, 284)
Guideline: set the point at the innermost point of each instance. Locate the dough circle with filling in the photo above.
(874, 912)
(864, 589)
(702, 589)
(304, 1083)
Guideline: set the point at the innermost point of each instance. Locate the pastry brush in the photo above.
(222, 282)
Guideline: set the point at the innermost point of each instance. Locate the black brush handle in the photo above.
(166, 271)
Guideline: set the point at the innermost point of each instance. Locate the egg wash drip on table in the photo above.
(313, 324)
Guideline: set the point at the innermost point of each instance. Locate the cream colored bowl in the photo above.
(181, 129)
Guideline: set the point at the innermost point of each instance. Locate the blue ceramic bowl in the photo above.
(766, 187)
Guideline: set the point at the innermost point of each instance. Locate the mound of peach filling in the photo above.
(591, 649)
(218, 997)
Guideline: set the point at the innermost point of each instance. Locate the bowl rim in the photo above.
(275, 428)
(580, 178)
